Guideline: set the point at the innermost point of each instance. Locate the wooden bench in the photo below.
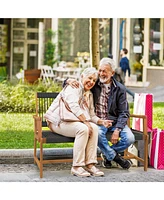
(42, 136)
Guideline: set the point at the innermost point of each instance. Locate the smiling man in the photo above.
(111, 103)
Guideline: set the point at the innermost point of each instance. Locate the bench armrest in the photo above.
(144, 117)
(37, 127)
(138, 116)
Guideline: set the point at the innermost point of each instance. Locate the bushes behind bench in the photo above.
(20, 97)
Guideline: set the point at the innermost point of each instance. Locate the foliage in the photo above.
(158, 116)
(50, 48)
(3, 73)
(65, 38)
(21, 97)
(137, 66)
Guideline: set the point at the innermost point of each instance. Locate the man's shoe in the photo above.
(125, 164)
(105, 163)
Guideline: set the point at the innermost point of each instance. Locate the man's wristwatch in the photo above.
(118, 129)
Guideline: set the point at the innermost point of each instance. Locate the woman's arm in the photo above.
(94, 118)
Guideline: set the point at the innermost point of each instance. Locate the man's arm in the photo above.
(123, 110)
(72, 82)
(64, 82)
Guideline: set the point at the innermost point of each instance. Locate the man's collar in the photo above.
(112, 83)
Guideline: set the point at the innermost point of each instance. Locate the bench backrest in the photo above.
(43, 102)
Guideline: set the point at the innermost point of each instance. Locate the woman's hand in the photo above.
(89, 127)
(83, 120)
(107, 123)
(73, 83)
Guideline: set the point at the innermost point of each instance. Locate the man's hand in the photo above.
(115, 137)
(73, 83)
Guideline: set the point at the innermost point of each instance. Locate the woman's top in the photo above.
(72, 96)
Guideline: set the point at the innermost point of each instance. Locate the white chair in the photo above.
(47, 74)
(74, 74)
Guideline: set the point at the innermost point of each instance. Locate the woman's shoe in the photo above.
(94, 171)
(80, 172)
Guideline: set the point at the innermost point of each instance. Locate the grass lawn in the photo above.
(16, 129)
(16, 132)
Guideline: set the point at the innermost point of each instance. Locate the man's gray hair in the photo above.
(89, 71)
(108, 61)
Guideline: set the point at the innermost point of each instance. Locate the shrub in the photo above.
(21, 97)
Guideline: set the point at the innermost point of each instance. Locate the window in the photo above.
(32, 36)
(19, 23)
(32, 59)
(155, 45)
(33, 23)
(137, 47)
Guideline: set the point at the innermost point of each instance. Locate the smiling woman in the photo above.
(84, 128)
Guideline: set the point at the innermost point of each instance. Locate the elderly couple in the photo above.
(108, 110)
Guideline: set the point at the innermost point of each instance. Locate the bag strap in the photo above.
(68, 108)
(81, 100)
(66, 104)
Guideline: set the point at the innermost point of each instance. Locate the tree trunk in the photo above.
(95, 42)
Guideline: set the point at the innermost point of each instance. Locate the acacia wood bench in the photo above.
(42, 136)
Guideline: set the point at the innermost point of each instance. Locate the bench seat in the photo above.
(52, 137)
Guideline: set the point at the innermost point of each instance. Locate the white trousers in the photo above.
(85, 147)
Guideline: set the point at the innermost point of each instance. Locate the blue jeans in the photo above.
(127, 138)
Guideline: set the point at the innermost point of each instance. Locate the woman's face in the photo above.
(89, 81)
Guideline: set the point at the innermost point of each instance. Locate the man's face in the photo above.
(105, 74)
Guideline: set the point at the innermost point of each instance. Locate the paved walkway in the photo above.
(61, 173)
(58, 183)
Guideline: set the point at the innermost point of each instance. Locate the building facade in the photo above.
(144, 38)
(22, 43)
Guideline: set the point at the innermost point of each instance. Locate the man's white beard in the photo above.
(104, 80)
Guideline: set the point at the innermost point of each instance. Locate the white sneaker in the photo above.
(94, 171)
(80, 172)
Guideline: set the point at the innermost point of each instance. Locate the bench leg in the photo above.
(35, 142)
(41, 160)
(146, 139)
(125, 152)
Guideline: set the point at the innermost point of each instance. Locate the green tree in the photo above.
(50, 48)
